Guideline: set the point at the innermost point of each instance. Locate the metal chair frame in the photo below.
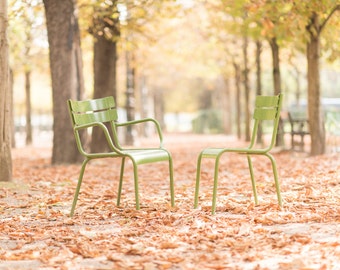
(266, 108)
(96, 113)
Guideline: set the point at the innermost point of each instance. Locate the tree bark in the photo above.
(258, 68)
(237, 71)
(259, 83)
(277, 82)
(67, 74)
(5, 100)
(246, 88)
(130, 96)
(28, 44)
(104, 63)
(28, 108)
(159, 107)
(296, 74)
(314, 108)
(11, 86)
(105, 30)
(276, 65)
(105, 57)
(225, 106)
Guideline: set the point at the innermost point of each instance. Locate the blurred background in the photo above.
(190, 64)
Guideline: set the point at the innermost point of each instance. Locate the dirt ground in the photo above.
(37, 232)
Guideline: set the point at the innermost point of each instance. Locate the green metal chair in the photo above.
(266, 108)
(98, 112)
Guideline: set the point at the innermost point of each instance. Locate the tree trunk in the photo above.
(105, 30)
(276, 66)
(296, 74)
(159, 108)
(259, 138)
(5, 100)
(28, 108)
(226, 106)
(246, 88)
(237, 71)
(67, 74)
(104, 62)
(258, 68)
(28, 126)
(277, 82)
(130, 97)
(316, 124)
(11, 87)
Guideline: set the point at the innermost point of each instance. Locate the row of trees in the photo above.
(230, 26)
(295, 24)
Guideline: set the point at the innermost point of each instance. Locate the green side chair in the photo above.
(100, 112)
(267, 108)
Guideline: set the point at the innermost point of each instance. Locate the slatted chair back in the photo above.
(91, 111)
(267, 108)
(94, 111)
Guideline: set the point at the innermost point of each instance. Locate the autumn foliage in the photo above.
(37, 232)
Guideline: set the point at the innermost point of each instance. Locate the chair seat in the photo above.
(213, 152)
(142, 156)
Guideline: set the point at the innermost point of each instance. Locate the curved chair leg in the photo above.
(277, 184)
(135, 174)
(80, 180)
(120, 181)
(213, 206)
(253, 183)
(198, 175)
(171, 175)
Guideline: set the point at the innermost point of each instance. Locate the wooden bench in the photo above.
(299, 128)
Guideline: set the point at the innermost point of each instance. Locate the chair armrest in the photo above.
(106, 133)
(139, 121)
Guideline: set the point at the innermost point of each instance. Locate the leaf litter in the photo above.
(36, 231)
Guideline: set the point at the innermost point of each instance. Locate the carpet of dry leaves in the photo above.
(36, 231)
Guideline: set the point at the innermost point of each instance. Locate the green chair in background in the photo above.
(267, 108)
(96, 113)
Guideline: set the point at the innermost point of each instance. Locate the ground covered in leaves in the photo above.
(36, 231)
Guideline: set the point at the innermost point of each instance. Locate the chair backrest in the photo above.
(91, 111)
(267, 108)
(87, 112)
